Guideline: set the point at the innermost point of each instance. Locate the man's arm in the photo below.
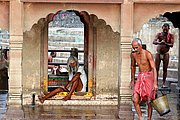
(153, 66)
(50, 59)
(133, 69)
(172, 41)
(156, 40)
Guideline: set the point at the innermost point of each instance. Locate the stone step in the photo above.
(173, 87)
(169, 81)
(165, 89)
(173, 63)
(171, 72)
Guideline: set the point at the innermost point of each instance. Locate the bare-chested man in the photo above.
(164, 41)
(77, 81)
(145, 87)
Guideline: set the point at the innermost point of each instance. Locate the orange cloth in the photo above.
(144, 86)
(168, 37)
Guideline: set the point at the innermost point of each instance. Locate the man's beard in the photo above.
(73, 70)
(165, 32)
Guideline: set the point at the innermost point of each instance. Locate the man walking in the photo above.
(146, 85)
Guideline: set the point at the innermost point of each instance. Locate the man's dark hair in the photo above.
(166, 25)
(52, 53)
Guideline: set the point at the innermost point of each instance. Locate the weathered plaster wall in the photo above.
(144, 12)
(107, 43)
(33, 12)
(33, 56)
(4, 16)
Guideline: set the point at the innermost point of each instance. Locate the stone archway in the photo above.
(174, 17)
(96, 31)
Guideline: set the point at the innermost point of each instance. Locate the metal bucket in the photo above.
(161, 105)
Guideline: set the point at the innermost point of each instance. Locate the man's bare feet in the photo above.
(67, 98)
(41, 99)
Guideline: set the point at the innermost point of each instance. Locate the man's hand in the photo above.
(78, 74)
(155, 87)
(162, 42)
(132, 84)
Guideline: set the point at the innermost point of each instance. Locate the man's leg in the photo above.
(149, 111)
(76, 86)
(165, 66)
(137, 105)
(52, 93)
(157, 63)
(75, 78)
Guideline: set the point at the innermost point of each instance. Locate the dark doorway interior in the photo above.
(4, 57)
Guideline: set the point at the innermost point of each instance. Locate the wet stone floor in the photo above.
(3, 107)
(43, 112)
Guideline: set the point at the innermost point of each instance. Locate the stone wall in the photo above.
(4, 16)
(107, 58)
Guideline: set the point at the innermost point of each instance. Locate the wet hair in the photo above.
(137, 40)
(165, 25)
(70, 60)
(52, 53)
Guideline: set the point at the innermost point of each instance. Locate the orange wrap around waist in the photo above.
(144, 86)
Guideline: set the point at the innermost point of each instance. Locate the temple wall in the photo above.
(35, 11)
(4, 16)
(143, 12)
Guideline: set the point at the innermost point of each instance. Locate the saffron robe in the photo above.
(144, 86)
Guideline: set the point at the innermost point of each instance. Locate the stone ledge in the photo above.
(169, 81)
(173, 87)
(75, 100)
(79, 102)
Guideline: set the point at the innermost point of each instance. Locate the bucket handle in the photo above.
(152, 93)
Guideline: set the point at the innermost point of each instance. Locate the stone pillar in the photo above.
(178, 86)
(126, 36)
(16, 40)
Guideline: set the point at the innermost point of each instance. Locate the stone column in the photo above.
(126, 36)
(178, 86)
(16, 40)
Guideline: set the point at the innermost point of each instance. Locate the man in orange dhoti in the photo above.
(146, 85)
